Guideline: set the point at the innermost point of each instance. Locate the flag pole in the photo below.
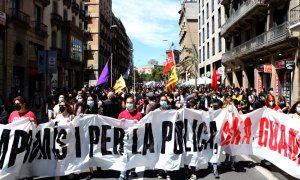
(111, 64)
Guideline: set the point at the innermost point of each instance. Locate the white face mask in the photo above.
(271, 92)
(271, 103)
(298, 110)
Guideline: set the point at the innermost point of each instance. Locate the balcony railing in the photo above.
(20, 16)
(56, 19)
(41, 28)
(248, 6)
(274, 35)
(295, 15)
(82, 14)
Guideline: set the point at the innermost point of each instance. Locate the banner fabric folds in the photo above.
(162, 139)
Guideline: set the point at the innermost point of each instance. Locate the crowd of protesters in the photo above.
(131, 105)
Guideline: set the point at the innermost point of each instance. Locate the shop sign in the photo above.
(280, 64)
(268, 68)
(276, 84)
(220, 71)
(290, 65)
(2, 18)
(52, 56)
(208, 73)
(259, 80)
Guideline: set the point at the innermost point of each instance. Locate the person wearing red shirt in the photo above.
(130, 113)
(270, 103)
(21, 111)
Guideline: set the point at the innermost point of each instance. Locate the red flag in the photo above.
(214, 84)
(170, 63)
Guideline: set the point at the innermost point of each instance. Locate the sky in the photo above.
(148, 24)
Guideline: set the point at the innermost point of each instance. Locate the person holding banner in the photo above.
(130, 113)
(20, 107)
(295, 111)
(65, 113)
(270, 103)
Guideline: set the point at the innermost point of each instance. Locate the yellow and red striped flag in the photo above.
(120, 84)
(171, 83)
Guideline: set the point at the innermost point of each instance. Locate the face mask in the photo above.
(90, 103)
(271, 103)
(263, 98)
(271, 92)
(282, 102)
(17, 107)
(62, 109)
(79, 100)
(163, 103)
(253, 94)
(298, 109)
(236, 93)
(214, 97)
(129, 106)
(61, 100)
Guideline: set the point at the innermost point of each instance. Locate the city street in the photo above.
(247, 168)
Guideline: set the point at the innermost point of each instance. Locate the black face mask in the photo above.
(62, 109)
(17, 107)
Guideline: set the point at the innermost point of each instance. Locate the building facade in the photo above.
(188, 22)
(211, 44)
(147, 69)
(107, 38)
(261, 50)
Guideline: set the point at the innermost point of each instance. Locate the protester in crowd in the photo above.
(183, 96)
(50, 103)
(295, 111)
(270, 103)
(71, 101)
(284, 106)
(261, 101)
(20, 111)
(80, 105)
(65, 114)
(252, 98)
(151, 103)
(3, 114)
(56, 110)
(237, 95)
(36, 105)
(91, 106)
(130, 113)
(271, 91)
(111, 107)
(205, 101)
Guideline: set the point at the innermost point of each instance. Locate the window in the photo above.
(213, 25)
(203, 53)
(53, 39)
(200, 60)
(220, 42)
(199, 37)
(65, 15)
(54, 7)
(202, 16)
(76, 49)
(73, 20)
(199, 22)
(202, 3)
(16, 4)
(207, 30)
(207, 50)
(203, 35)
(219, 17)
(213, 46)
(212, 5)
(38, 14)
(207, 11)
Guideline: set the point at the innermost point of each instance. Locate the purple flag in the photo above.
(103, 78)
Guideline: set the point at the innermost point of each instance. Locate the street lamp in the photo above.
(111, 58)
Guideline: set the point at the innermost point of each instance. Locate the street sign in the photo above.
(289, 65)
(2, 18)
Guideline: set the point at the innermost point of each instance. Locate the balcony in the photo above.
(43, 2)
(247, 9)
(56, 19)
(87, 16)
(267, 39)
(75, 7)
(67, 3)
(87, 34)
(41, 28)
(295, 19)
(20, 17)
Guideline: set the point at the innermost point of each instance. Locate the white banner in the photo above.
(162, 139)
